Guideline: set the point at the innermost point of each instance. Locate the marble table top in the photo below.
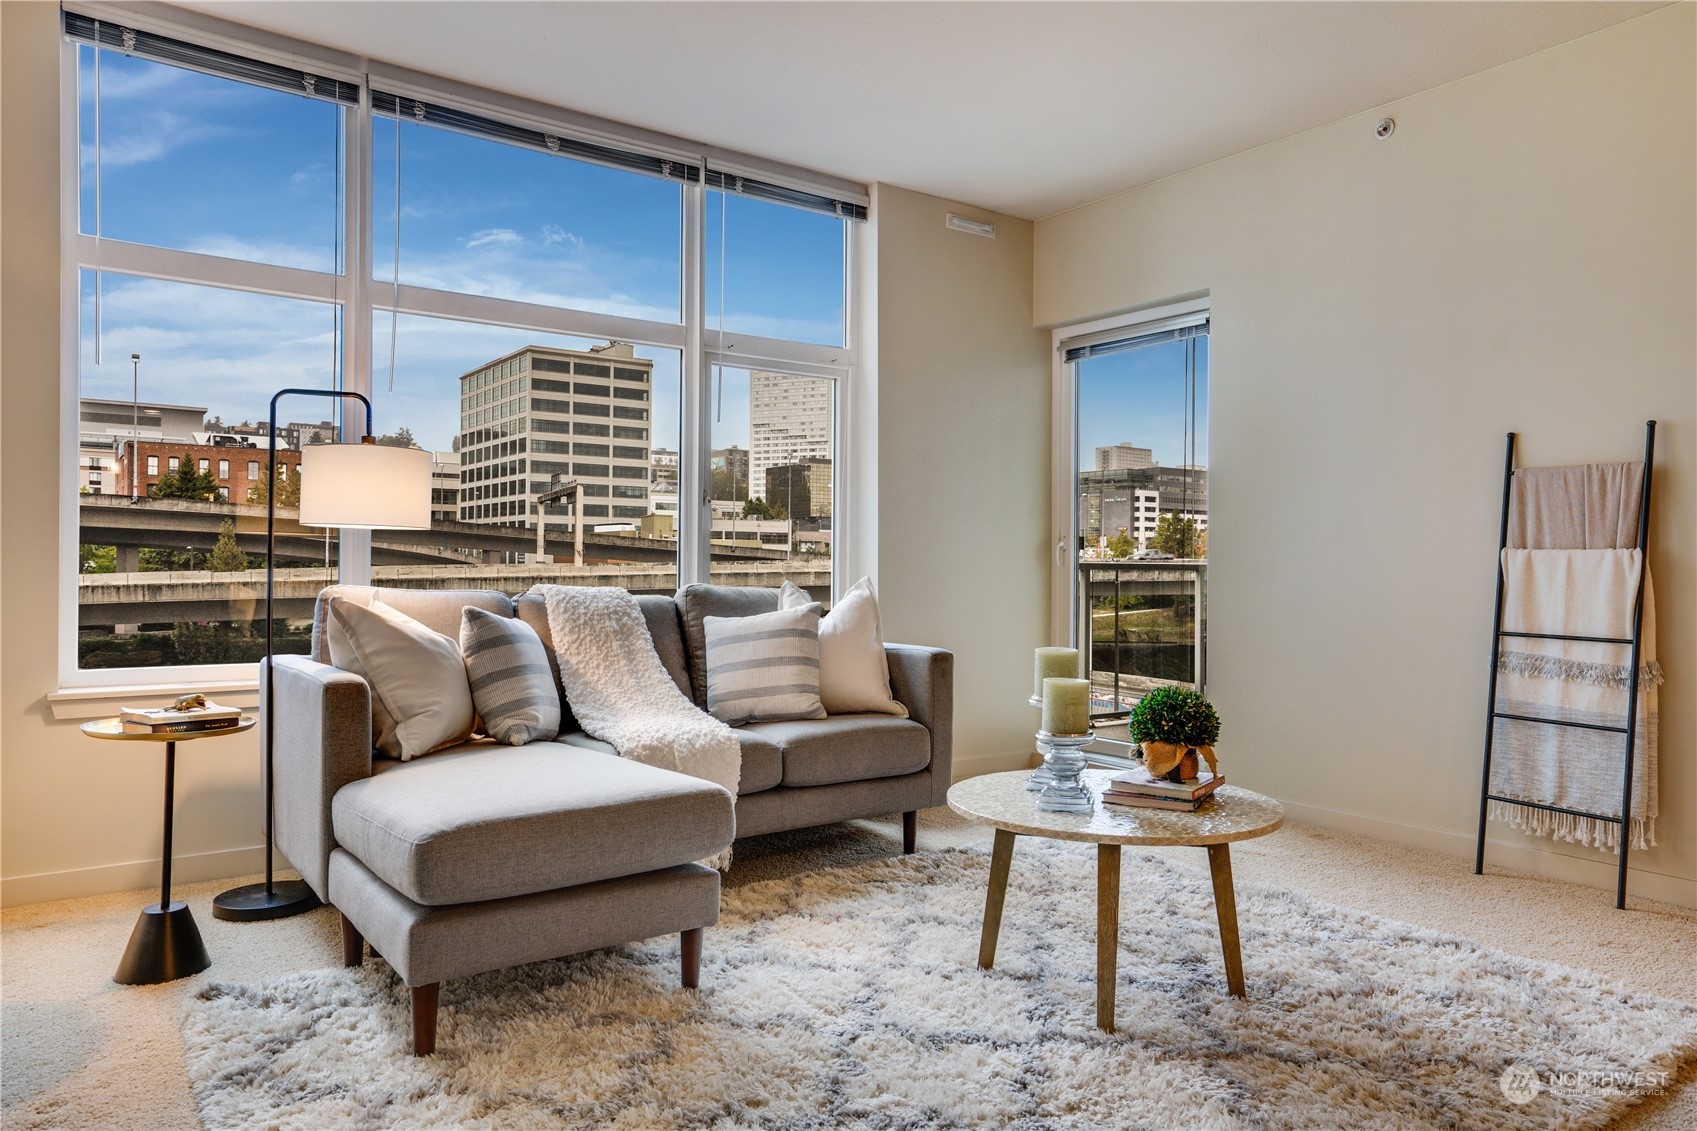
(1003, 801)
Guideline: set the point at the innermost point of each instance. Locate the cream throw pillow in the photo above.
(854, 674)
(420, 699)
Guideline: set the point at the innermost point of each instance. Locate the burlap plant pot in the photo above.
(1161, 758)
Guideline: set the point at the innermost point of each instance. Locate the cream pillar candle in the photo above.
(1056, 663)
(1066, 705)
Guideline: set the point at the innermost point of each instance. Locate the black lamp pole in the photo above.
(273, 900)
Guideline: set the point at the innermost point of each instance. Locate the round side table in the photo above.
(165, 944)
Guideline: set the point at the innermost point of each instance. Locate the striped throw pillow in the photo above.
(764, 667)
(511, 684)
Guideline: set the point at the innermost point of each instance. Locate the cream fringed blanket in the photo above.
(1574, 593)
(623, 695)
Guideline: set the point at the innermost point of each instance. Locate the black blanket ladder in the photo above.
(1629, 730)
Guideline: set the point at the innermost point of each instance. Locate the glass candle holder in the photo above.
(1063, 756)
(1041, 776)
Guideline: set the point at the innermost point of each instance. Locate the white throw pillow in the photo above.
(417, 677)
(764, 668)
(854, 674)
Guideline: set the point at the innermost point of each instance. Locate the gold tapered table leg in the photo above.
(1107, 932)
(1001, 858)
(1225, 906)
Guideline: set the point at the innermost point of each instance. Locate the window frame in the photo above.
(360, 295)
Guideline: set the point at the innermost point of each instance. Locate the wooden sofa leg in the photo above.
(353, 943)
(910, 831)
(424, 1001)
(690, 949)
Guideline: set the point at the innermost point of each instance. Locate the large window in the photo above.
(1136, 487)
(518, 297)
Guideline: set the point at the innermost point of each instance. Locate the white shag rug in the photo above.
(851, 998)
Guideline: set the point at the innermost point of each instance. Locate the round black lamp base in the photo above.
(164, 946)
(253, 903)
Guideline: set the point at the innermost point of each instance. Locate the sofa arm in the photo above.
(322, 741)
(923, 681)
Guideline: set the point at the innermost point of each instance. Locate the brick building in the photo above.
(236, 467)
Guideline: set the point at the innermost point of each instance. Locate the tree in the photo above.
(227, 556)
(288, 491)
(401, 438)
(1175, 535)
(187, 482)
(760, 508)
(97, 559)
(1121, 546)
(727, 484)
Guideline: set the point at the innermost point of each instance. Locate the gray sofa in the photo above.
(486, 856)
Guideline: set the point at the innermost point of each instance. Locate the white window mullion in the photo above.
(695, 438)
(146, 261)
(354, 553)
(488, 311)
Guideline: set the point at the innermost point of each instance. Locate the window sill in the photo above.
(72, 704)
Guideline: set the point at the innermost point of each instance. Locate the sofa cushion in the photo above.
(854, 673)
(661, 615)
(437, 609)
(697, 603)
(511, 684)
(762, 763)
(845, 748)
(764, 668)
(489, 822)
(420, 699)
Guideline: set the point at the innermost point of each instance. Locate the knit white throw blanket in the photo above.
(1574, 593)
(623, 695)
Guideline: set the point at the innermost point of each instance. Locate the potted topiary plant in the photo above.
(1173, 725)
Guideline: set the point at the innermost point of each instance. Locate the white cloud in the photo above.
(488, 237)
(553, 234)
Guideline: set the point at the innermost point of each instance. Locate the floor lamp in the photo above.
(353, 486)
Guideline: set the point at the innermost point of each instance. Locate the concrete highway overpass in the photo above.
(107, 599)
(183, 524)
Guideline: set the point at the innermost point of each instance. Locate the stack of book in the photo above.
(173, 720)
(1138, 788)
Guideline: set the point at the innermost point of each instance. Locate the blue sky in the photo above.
(1138, 397)
(198, 163)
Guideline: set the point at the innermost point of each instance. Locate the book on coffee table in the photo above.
(1138, 780)
(1144, 801)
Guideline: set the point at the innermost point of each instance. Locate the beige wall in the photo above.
(962, 452)
(1518, 256)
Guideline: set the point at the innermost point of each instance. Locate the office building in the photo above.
(537, 413)
(789, 420)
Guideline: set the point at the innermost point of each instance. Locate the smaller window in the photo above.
(223, 469)
(583, 389)
(153, 465)
(620, 491)
(588, 369)
(550, 365)
(596, 450)
(625, 413)
(582, 428)
(206, 467)
(596, 469)
(594, 510)
(631, 394)
(171, 465)
(629, 453)
(622, 374)
(253, 469)
(590, 408)
(620, 472)
(620, 432)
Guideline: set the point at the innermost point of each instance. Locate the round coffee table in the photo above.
(1002, 801)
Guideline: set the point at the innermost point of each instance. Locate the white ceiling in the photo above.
(1025, 108)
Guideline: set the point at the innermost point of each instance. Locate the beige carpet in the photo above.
(80, 1051)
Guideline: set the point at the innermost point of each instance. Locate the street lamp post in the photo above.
(135, 419)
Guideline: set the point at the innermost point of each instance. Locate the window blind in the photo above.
(1118, 341)
(466, 122)
(781, 194)
(209, 60)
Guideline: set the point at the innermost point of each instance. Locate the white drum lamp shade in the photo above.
(367, 486)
